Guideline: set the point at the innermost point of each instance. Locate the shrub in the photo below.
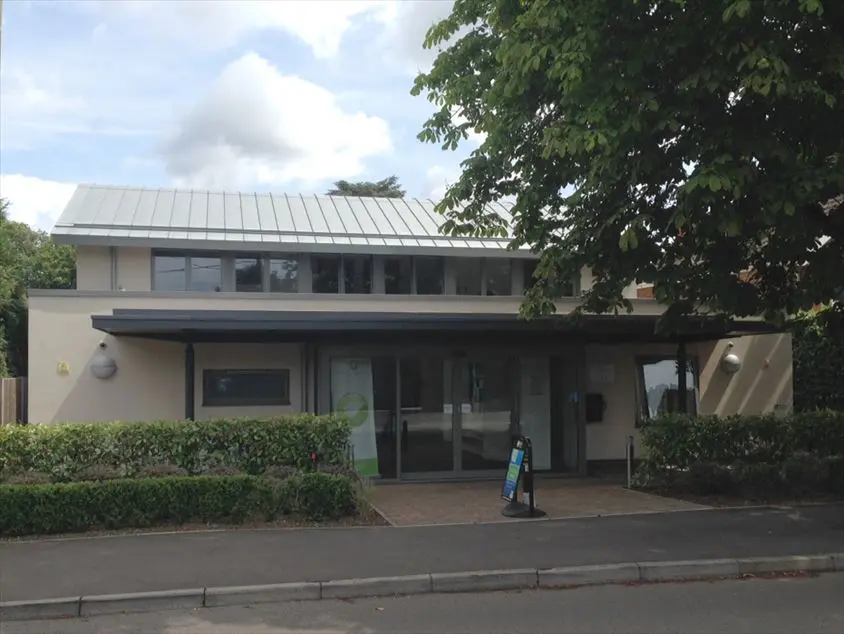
(248, 445)
(164, 470)
(680, 441)
(706, 478)
(97, 472)
(135, 503)
(760, 456)
(26, 477)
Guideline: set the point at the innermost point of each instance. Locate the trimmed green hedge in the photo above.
(29, 509)
(249, 445)
(755, 456)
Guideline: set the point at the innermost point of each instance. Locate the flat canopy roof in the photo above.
(252, 221)
(264, 325)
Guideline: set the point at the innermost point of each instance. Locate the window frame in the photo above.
(188, 256)
(228, 268)
(692, 365)
(414, 273)
(209, 374)
(344, 257)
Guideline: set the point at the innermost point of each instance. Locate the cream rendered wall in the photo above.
(149, 383)
(93, 268)
(763, 384)
(233, 356)
(134, 269)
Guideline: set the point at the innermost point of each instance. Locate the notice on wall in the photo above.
(351, 395)
(465, 408)
(601, 373)
(448, 408)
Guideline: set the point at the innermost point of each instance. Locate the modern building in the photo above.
(198, 304)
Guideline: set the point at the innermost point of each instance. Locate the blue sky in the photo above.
(277, 95)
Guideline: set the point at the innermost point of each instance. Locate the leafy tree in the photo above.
(387, 188)
(678, 142)
(818, 349)
(28, 259)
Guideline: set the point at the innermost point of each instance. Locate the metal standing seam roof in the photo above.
(106, 215)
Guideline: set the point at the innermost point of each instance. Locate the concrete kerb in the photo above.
(473, 581)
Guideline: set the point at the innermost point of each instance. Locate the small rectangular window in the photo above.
(170, 273)
(357, 274)
(230, 388)
(206, 274)
(659, 387)
(326, 273)
(398, 275)
(248, 275)
(284, 275)
(498, 276)
(430, 273)
(468, 273)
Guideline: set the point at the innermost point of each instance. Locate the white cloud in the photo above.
(217, 24)
(258, 126)
(407, 23)
(438, 179)
(35, 201)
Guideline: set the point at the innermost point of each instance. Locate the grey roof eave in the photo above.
(279, 247)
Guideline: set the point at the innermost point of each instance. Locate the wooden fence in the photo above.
(13, 405)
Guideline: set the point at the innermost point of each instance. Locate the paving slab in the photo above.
(154, 562)
(475, 502)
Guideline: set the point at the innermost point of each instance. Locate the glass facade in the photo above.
(342, 273)
(248, 275)
(325, 270)
(435, 415)
(357, 274)
(284, 275)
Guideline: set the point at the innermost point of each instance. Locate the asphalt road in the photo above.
(72, 567)
(773, 606)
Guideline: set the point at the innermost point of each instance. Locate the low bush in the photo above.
(759, 457)
(135, 503)
(250, 446)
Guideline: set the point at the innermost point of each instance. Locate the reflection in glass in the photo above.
(169, 273)
(284, 275)
(427, 429)
(205, 274)
(248, 275)
(498, 276)
(384, 406)
(430, 272)
(398, 275)
(357, 274)
(467, 275)
(326, 273)
(660, 387)
(485, 398)
(528, 269)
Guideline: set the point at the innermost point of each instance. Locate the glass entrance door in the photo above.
(484, 395)
(426, 415)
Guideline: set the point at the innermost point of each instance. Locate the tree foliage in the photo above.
(386, 188)
(818, 349)
(677, 142)
(28, 259)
